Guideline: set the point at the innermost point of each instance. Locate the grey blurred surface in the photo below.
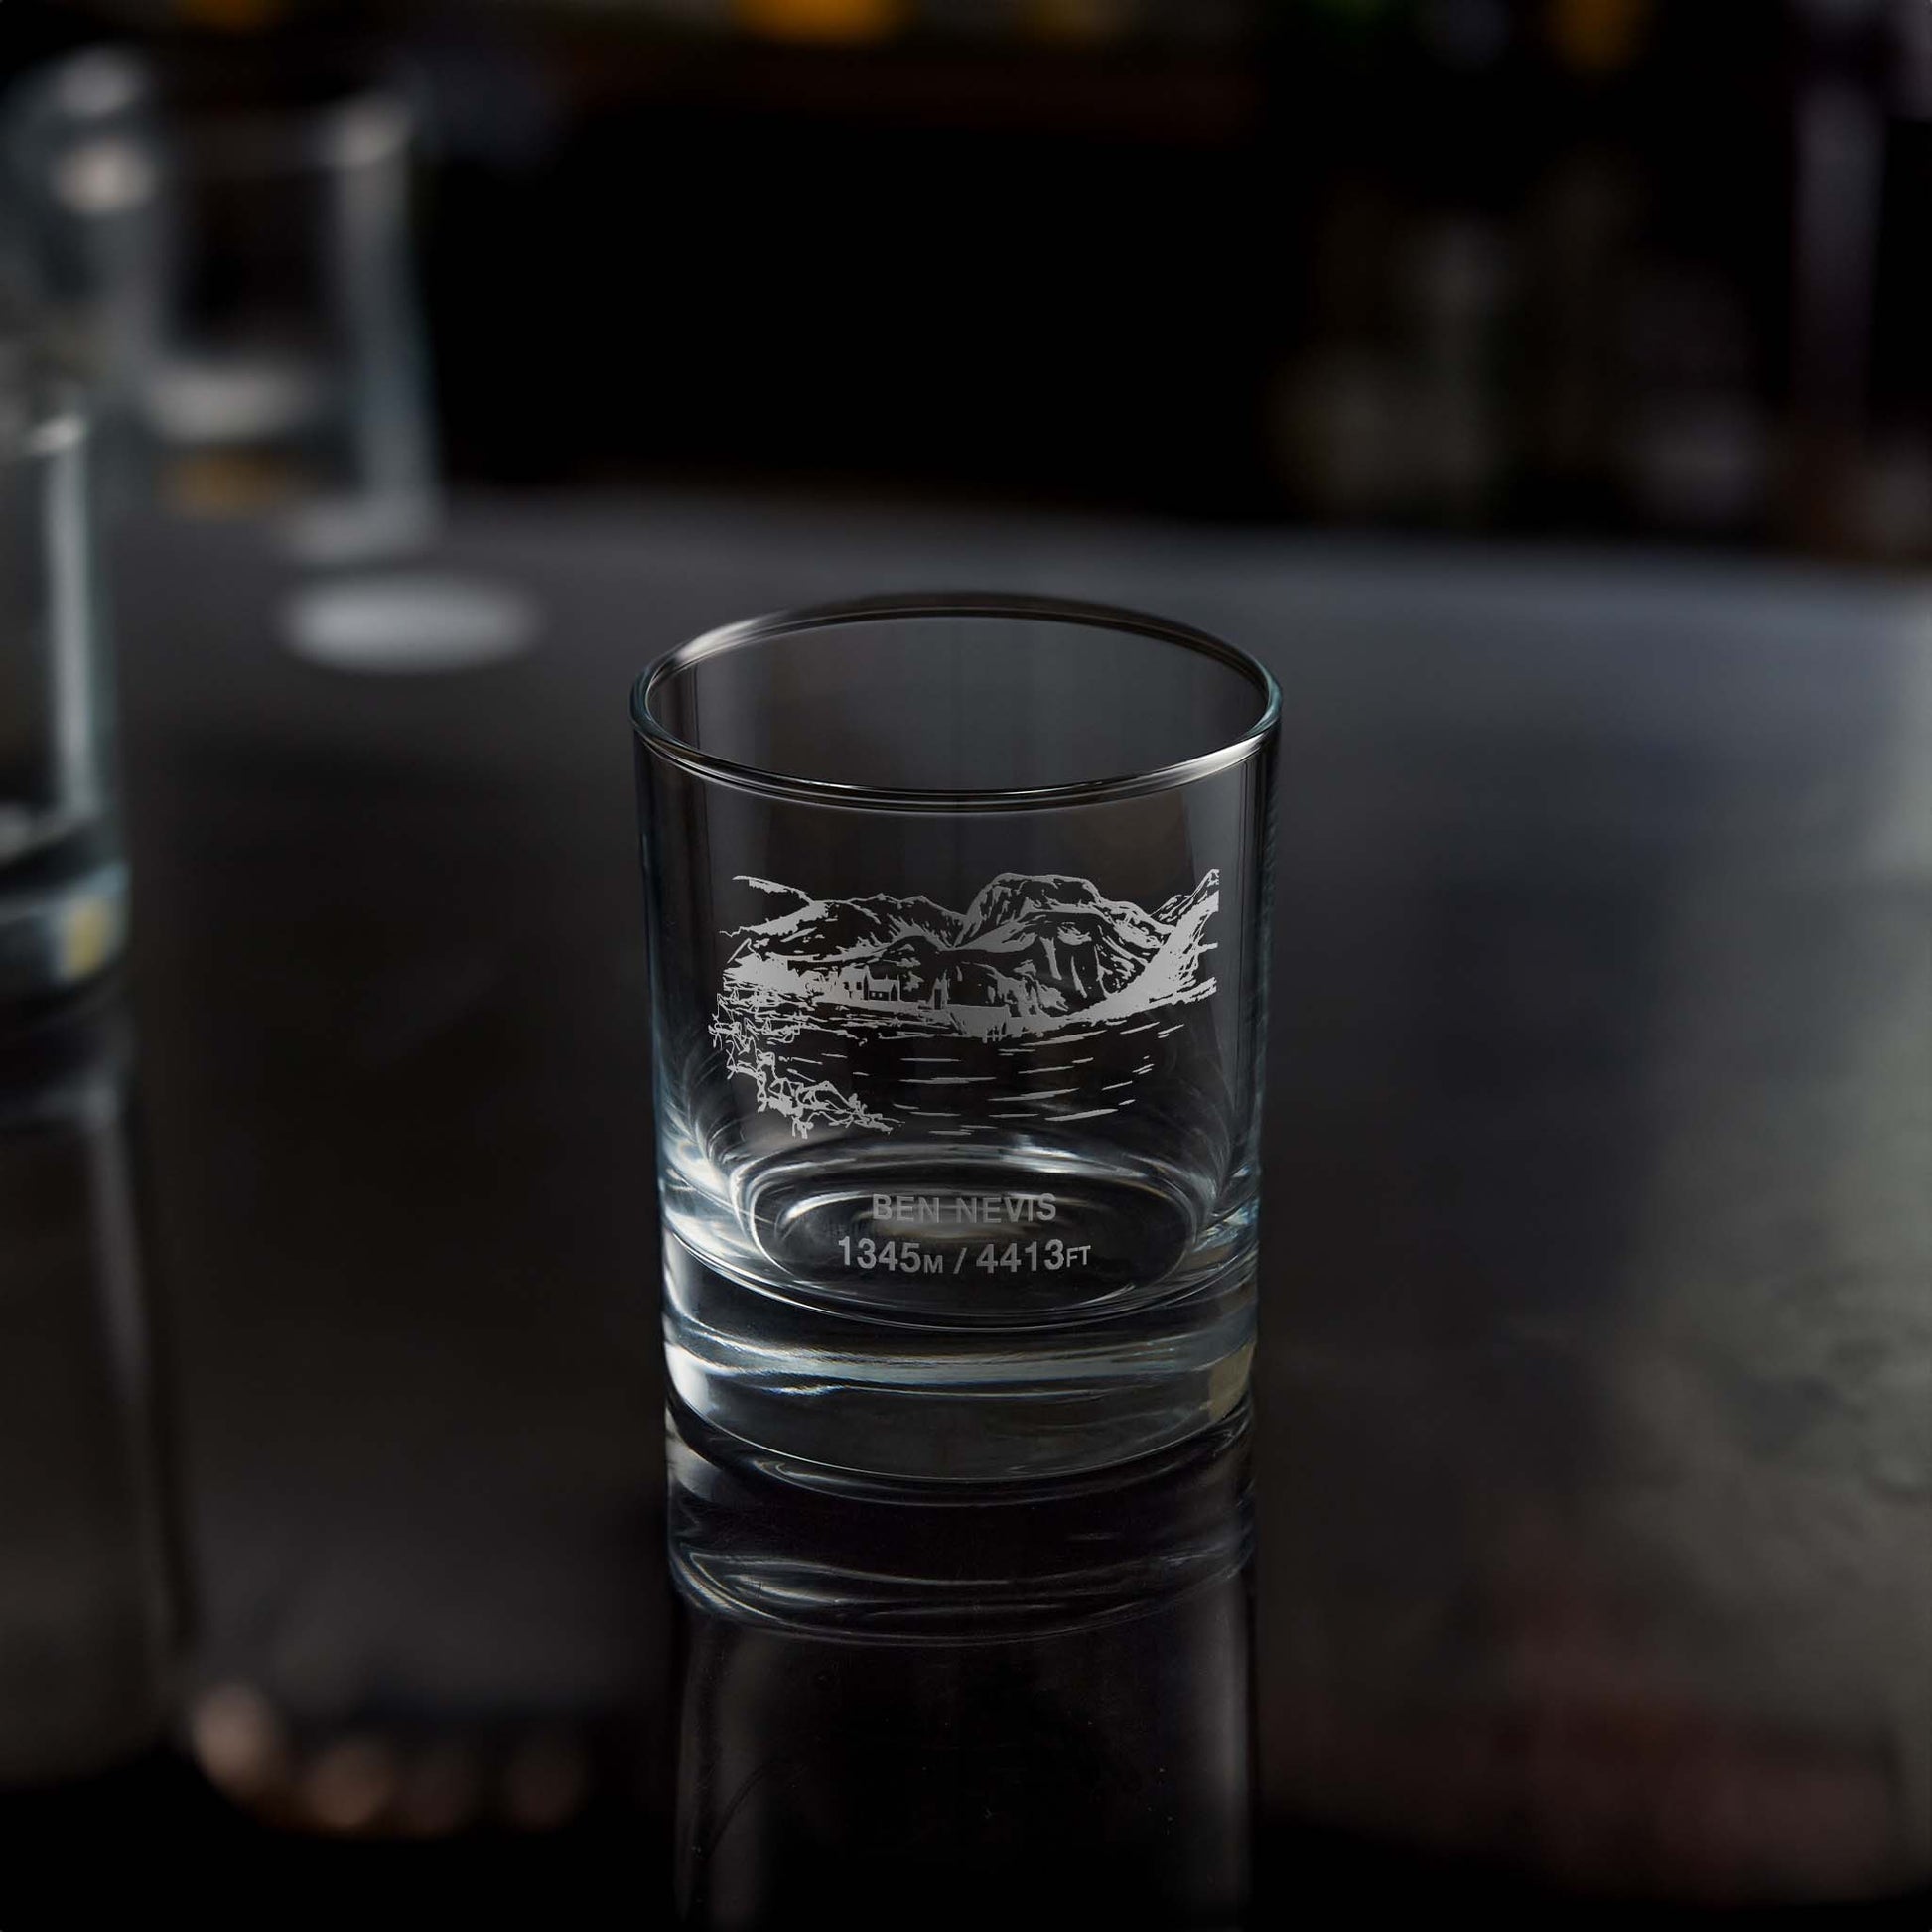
(1595, 1451)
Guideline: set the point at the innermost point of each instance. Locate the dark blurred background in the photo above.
(1567, 267)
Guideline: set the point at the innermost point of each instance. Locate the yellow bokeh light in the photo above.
(822, 20)
(1598, 36)
(1076, 20)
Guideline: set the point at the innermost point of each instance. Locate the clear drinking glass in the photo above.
(226, 244)
(90, 1610)
(958, 911)
(62, 883)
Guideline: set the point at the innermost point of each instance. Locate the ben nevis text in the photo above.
(962, 1210)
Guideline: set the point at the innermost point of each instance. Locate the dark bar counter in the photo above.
(1593, 1453)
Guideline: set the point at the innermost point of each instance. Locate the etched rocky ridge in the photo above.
(1031, 951)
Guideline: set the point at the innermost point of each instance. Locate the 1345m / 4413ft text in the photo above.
(990, 1257)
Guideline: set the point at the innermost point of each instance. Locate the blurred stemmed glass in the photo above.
(89, 1613)
(225, 246)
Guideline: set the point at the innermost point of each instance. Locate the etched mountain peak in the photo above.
(920, 914)
(1015, 896)
(826, 928)
(1172, 911)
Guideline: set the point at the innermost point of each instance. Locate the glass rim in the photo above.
(167, 100)
(660, 739)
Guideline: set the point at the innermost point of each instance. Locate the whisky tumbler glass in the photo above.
(958, 921)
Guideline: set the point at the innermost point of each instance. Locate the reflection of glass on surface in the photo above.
(938, 1703)
(62, 886)
(958, 916)
(86, 1611)
(227, 247)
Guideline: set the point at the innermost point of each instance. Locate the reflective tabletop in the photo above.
(1578, 1552)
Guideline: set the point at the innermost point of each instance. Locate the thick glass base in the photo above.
(763, 1540)
(937, 1404)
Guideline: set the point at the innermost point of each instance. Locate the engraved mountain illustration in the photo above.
(1031, 952)
(879, 1012)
